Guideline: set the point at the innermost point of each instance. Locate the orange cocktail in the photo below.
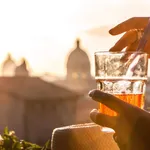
(121, 81)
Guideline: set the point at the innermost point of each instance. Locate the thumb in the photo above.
(102, 119)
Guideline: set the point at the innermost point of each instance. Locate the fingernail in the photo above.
(91, 93)
(115, 137)
(93, 114)
(111, 31)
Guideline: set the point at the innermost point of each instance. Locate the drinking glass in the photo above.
(120, 75)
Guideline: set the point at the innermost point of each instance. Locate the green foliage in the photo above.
(9, 141)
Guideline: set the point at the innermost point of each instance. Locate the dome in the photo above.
(8, 60)
(78, 64)
(22, 70)
(8, 66)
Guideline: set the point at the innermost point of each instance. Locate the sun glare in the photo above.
(44, 31)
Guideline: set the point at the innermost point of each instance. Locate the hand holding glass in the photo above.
(127, 82)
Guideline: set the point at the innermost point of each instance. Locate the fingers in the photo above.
(102, 119)
(126, 40)
(110, 101)
(121, 145)
(133, 46)
(130, 48)
(132, 23)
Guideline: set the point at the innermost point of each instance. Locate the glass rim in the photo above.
(120, 52)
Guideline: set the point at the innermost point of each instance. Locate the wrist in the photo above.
(139, 138)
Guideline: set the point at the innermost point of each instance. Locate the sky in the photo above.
(44, 31)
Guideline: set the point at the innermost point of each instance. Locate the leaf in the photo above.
(6, 131)
(28, 144)
(17, 146)
(47, 145)
(35, 147)
(12, 142)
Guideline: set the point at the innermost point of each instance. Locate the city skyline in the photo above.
(44, 32)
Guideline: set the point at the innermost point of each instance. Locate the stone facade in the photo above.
(79, 79)
(33, 107)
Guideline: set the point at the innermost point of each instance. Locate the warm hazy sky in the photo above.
(44, 31)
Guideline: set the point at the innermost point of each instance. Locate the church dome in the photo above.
(78, 64)
(8, 66)
(22, 70)
(8, 60)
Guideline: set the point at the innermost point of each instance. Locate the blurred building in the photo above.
(33, 107)
(8, 66)
(79, 79)
(22, 69)
(78, 68)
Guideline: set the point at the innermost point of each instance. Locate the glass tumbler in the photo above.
(122, 74)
